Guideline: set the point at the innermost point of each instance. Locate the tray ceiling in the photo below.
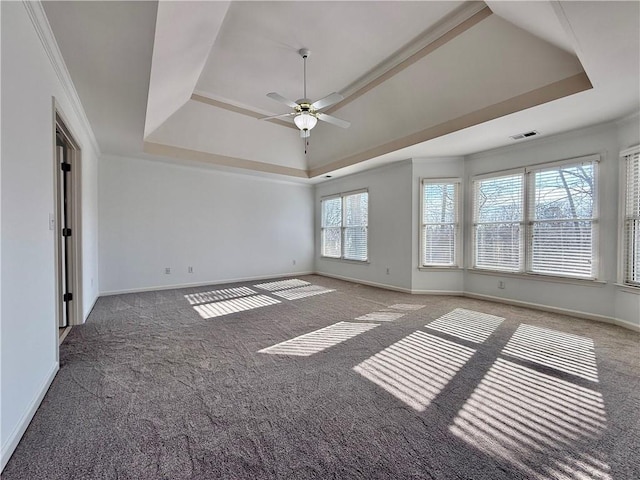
(419, 77)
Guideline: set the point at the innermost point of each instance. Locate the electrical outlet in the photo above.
(387, 270)
(294, 262)
(52, 221)
(167, 270)
(190, 269)
(501, 284)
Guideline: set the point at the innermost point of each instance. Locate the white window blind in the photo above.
(440, 223)
(344, 226)
(356, 221)
(331, 227)
(562, 220)
(498, 222)
(631, 256)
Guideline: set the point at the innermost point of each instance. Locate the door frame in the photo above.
(60, 124)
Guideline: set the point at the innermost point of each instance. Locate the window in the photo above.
(440, 223)
(344, 225)
(631, 226)
(498, 224)
(562, 220)
(538, 220)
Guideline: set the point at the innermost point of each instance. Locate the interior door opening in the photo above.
(67, 229)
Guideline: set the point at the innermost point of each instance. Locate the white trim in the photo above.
(623, 287)
(585, 282)
(202, 284)
(43, 29)
(630, 151)
(365, 282)
(440, 268)
(441, 28)
(453, 293)
(458, 255)
(85, 316)
(561, 311)
(14, 437)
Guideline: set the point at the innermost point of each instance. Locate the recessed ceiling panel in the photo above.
(488, 64)
(256, 50)
(201, 127)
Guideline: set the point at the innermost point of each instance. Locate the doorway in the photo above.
(67, 226)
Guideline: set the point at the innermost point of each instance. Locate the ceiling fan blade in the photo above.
(327, 101)
(279, 98)
(278, 116)
(333, 120)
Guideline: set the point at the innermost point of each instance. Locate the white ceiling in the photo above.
(475, 78)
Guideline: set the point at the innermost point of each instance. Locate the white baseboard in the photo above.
(454, 293)
(15, 436)
(93, 304)
(365, 282)
(203, 284)
(562, 311)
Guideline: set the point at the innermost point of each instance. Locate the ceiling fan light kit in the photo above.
(306, 114)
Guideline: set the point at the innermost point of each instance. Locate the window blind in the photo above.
(331, 227)
(344, 226)
(631, 226)
(561, 213)
(440, 223)
(356, 212)
(498, 222)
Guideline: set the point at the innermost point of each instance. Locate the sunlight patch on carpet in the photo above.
(561, 351)
(543, 425)
(406, 306)
(227, 307)
(302, 292)
(282, 284)
(467, 324)
(216, 295)
(381, 316)
(319, 340)
(416, 368)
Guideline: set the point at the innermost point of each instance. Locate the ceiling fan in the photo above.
(306, 114)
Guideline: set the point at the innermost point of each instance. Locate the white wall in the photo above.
(390, 223)
(597, 299)
(28, 323)
(432, 280)
(226, 226)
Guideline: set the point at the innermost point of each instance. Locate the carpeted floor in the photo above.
(173, 385)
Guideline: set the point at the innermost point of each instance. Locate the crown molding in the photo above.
(172, 151)
(199, 97)
(41, 24)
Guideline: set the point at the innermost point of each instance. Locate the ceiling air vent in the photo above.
(520, 136)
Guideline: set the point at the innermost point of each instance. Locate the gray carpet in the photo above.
(149, 389)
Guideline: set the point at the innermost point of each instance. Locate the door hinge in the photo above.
(66, 167)
(67, 297)
(66, 232)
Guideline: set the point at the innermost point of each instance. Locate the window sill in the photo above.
(541, 278)
(628, 288)
(346, 260)
(422, 268)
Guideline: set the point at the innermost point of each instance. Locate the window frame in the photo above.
(343, 226)
(526, 241)
(521, 223)
(623, 253)
(458, 237)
